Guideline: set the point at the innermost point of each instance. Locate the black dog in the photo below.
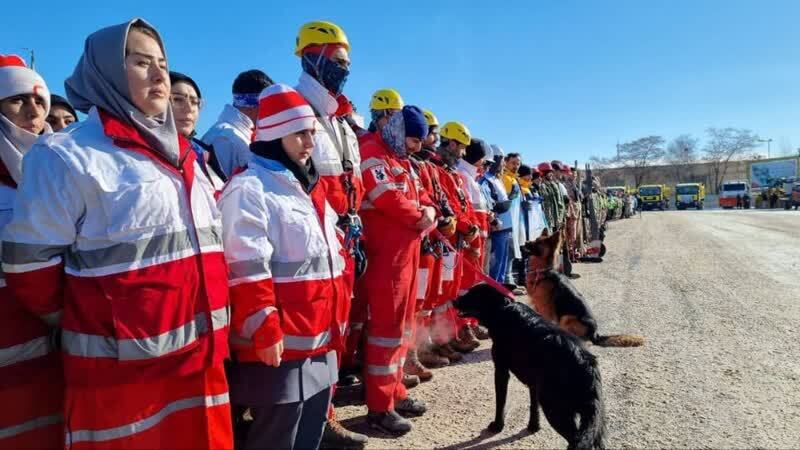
(561, 374)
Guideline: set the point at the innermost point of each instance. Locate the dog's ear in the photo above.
(553, 240)
(545, 233)
(528, 247)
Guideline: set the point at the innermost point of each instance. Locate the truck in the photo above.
(690, 195)
(732, 191)
(654, 196)
(789, 190)
(794, 197)
(614, 190)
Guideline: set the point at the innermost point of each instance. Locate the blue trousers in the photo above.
(498, 267)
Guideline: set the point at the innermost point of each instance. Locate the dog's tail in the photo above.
(618, 340)
(592, 430)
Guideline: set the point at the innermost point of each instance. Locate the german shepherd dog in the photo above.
(561, 374)
(554, 297)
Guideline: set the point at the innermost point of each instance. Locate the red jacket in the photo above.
(391, 200)
(451, 184)
(25, 344)
(123, 251)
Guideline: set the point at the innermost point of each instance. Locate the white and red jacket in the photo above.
(285, 264)
(334, 141)
(25, 344)
(472, 190)
(123, 251)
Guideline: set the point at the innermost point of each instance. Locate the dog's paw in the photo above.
(533, 427)
(496, 427)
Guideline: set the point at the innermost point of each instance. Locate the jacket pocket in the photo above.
(153, 311)
(137, 198)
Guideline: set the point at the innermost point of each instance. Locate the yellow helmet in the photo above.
(320, 32)
(430, 118)
(386, 99)
(456, 131)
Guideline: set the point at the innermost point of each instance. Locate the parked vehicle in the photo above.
(732, 192)
(612, 191)
(690, 195)
(654, 196)
(792, 197)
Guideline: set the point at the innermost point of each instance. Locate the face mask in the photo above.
(328, 73)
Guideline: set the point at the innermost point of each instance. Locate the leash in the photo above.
(485, 278)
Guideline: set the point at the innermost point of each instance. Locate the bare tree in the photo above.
(681, 153)
(640, 155)
(725, 145)
(601, 167)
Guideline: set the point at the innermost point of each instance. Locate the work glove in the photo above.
(472, 233)
(447, 226)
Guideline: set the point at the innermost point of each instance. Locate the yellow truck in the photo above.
(654, 196)
(690, 195)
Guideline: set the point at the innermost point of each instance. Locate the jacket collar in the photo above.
(126, 136)
(317, 95)
(235, 118)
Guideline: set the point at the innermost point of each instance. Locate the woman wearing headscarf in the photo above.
(31, 386)
(61, 114)
(394, 219)
(286, 276)
(187, 101)
(117, 240)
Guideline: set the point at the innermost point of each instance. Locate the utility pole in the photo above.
(768, 141)
(32, 58)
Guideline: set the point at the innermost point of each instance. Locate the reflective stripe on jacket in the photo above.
(285, 264)
(123, 251)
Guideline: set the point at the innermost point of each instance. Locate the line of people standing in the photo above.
(188, 283)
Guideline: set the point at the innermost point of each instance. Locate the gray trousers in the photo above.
(296, 425)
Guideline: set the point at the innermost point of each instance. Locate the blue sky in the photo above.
(550, 79)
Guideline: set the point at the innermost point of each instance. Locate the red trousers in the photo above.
(471, 270)
(31, 412)
(182, 412)
(389, 289)
(428, 284)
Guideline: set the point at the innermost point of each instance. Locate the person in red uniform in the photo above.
(286, 276)
(394, 220)
(429, 271)
(446, 329)
(31, 382)
(324, 52)
(116, 238)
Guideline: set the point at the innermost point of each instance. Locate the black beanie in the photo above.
(62, 102)
(524, 170)
(177, 77)
(475, 151)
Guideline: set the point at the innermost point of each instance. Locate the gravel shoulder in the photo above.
(716, 294)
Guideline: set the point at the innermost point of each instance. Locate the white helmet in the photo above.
(496, 151)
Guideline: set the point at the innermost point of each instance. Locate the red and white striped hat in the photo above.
(281, 112)
(16, 78)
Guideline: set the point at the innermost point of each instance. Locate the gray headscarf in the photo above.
(99, 80)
